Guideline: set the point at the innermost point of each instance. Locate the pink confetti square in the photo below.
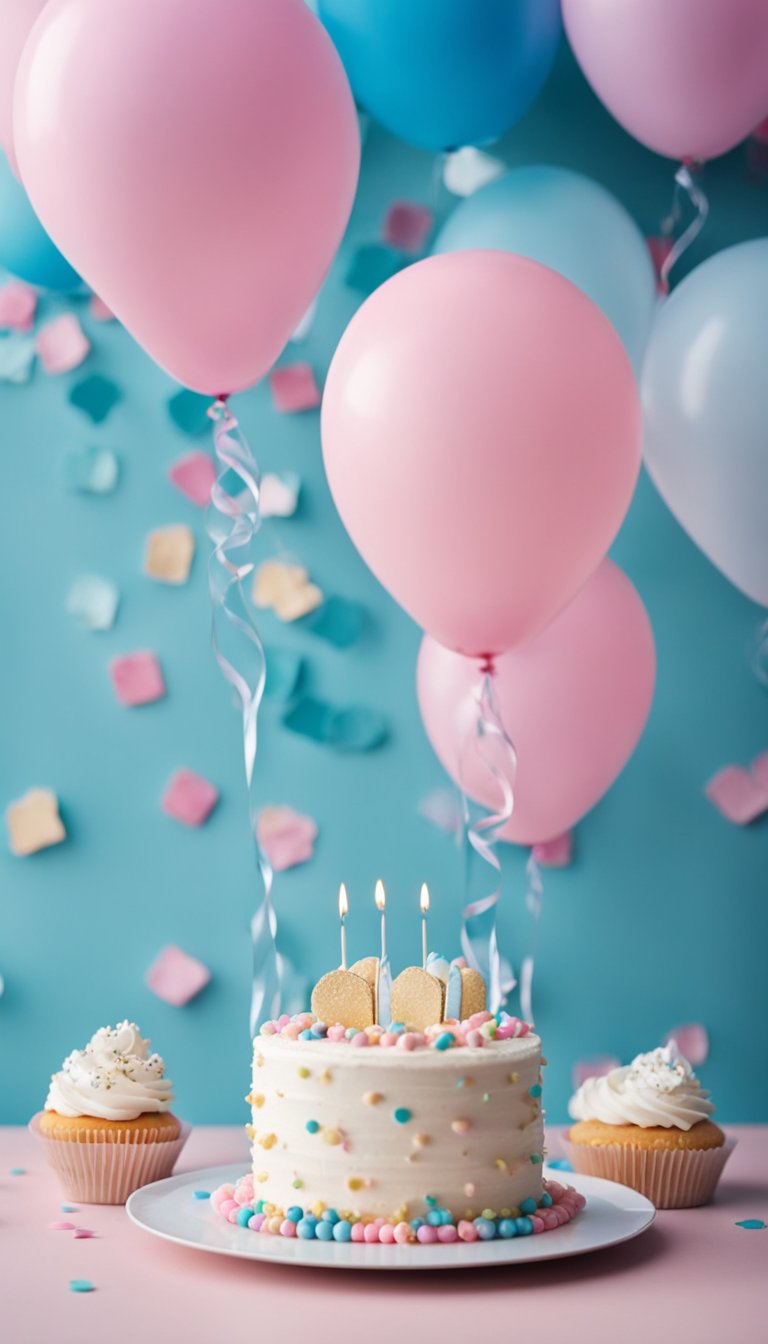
(194, 474)
(555, 853)
(287, 837)
(62, 344)
(99, 310)
(593, 1068)
(177, 977)
(737, 795)
(18, 303)
(407, 226)
(189, 798)
(692, 1040)
(137, 678)
(294, 388)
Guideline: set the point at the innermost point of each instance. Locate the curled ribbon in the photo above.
(687, 188)
(232, 521)
(533, 901)
(492, 743)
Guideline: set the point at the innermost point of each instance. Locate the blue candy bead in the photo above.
(507, 1228)
(295, 1213)
(444, 1042)
(528, 1205)
(342, 1230)
(306, 1229)
(435, 1217)
(330, 1216)
(307, 1035)
(243, 1216)
(416, 1223)
(524, 1226)
(445, 1216)
(350, 1032)
(546, 1200)
(324, 1231)
(486, 1228)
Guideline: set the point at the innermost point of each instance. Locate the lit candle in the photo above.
(381, 904)
(424, 903)
(343, 911)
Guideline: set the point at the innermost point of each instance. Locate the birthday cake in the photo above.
(427, 1129)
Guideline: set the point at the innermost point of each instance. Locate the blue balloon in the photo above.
(25, 248)
(445, 73)
(576, 227)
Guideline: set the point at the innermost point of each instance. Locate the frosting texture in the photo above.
(657, 1088)
(113, 1078)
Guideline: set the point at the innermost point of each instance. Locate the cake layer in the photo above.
(374, 1131)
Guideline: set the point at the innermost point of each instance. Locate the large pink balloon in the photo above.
(688, 78)
(575, 702)
(481, 433)
(196, 163)
(16, 19)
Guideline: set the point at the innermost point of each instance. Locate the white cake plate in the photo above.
(169, 1209)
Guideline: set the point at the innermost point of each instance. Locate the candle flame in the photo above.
(343, 901)
(380, 895)
(424, 898)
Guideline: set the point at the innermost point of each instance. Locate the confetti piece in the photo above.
(759, 770)
(305, 325)
(99, 310)
(62, 344)
(279, 495)
(194, 474)
(692, 1040)
(81, 1286)
(17, 356)
(339, 621)
(177, 977)
(137, 678)
(559, 1164)
(371, 265)
(555, 853)
(284, 673)
(69, 1208)
(95, 396)
(287, 837)
(83, 1232)
(90, 470)
(201, 1194)
(407, 226)
(34, 822)
(442, 808)
(189, 798)
(93, 601)
(294, 388)
(17, 306)
(593, 1068)
(286, 589)
(466, 170)
(17, 1171)
(355, 729)
(189, 412)
(310, 718)
(61, 1227)
(168, 554)
(751, 1224)
(736, 795)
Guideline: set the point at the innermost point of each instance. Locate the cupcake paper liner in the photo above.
(678, 1178)
(97, 1171)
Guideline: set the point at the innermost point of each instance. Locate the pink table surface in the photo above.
(693, 1277)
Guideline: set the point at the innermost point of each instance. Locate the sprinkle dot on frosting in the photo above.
(372, 1098)
(402, 1115)
(312, 1126)
(534, 1090)
(461, 1126)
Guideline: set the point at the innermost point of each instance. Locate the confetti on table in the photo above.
(284, 672)
(93, 601)
(294, 388)
(95, 396)
(442, 808)
(69, 1208)
(371, 265)
(62, 344)
(34, 822)
(354, 729)
(194, 474)
(177, 977)
(339, 621)
(189, 412)
(90, 470)
(168, 554)
(137, 678)
(17, 356)
(466, 170)
(556, 853)
(559, 1164)
(737, 795)
(189, 798)
(81, 1232)
(17, 1171)
(18, 303)
(99, 310)
(81, 1286)
(279, 495)
(61, 1227)
(286, 589)
(593, 1068)
(692, 1040)
(304, 327)
(201, 1194)
(407, 226)
(751, 1224)
(287, 837)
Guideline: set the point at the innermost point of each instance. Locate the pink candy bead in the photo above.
(232, 1215)
(538, 1224)
(477, 1019)
(244, 1192)
(388, 1038)
(549, 1219)
(291, 1032)
(371, 1232)
(408, 1041)
(256, 1221)
(387, 1234)
(288, 1228)
(447, 1232)
(336, 1033)
(467, 1231)
(402, 1233)
(268, 1029)
(475, 1039)
(228, 1206)
(283, 1020)
(360, 1039)
(358, 1232)
(223, 1192)
(426, 1234)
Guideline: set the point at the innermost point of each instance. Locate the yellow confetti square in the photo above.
(34, 822)
(169, 553)
(286, 589)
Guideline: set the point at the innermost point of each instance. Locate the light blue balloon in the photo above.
(705, 402)
(445, 73)
(572, 224)
(25, 248)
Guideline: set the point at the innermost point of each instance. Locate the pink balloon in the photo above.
(196, 163)
(16, 19)
(688, 78)
(481, 434)
(574, 700)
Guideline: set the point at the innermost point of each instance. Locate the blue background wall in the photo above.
(663, 916)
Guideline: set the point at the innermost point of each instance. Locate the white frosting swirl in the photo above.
(113, 1078)
(658, 1088)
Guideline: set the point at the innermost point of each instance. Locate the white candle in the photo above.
(343, 910)
(381, 904)
(424, 903)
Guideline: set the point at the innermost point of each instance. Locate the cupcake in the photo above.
(647, 1125)
(107, 1127)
